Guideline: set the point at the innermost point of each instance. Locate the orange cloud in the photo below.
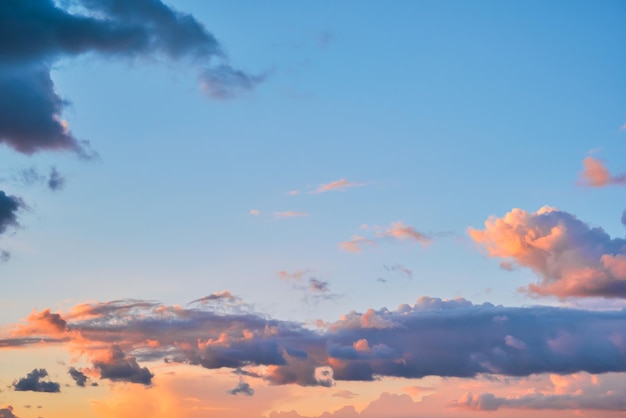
(355, 244)
(595, 174)
(400, 231)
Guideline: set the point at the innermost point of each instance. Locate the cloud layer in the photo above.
(432, 337)
(571, 257)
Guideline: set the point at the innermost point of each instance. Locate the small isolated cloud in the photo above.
(571, 257)
(225, 82)
(243, 388)
(399, 270)
(255, 212)
(56, 181)
(290, 214)
(595, 174)
(356, 244)
(339, 185)
(624, 218)
(33, 383)
(79, 377)
(293, 192)
(398, 230)
(315, 289)
(507, 265)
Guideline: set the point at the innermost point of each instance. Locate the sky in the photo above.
(312, 209)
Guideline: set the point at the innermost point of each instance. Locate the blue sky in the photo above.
(444, 112)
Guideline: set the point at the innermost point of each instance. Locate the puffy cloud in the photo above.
(341, 185)
(36, 33)
(121, 368)
(33, 383)
(571, 257)
(79, 377)
(595, 174)
(432, 337)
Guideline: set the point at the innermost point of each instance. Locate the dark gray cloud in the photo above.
(79, 377)
(7, 412)
(433, 337)
(242, 388)
(34, 34)
(122, 368)
(33, 383)
(9, 206)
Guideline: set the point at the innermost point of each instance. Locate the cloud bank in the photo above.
(433, 337)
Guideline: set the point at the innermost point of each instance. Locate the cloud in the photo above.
(30, 107)
(79, 377)
(33, 383)
(9, 206)
(121, 368)
(345, 394)
(56, 181)
(356, 244)
(255, 212)
(489, 402)
(400, 231)
(224, 296)
(433, 337)
(316, 289)
(242, 388)
(340, 185)
(7, 412)
(624, 218)
(571, 257)
(290, 214)
(595, 174)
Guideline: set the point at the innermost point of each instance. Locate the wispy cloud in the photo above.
(356, 244)
(398, 230)
(571, 257)
(290, 214)
(255, 212)
(339, 185)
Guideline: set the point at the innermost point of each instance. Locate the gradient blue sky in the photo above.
(448, 111)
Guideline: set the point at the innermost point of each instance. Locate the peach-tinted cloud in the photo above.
(571, 257)
(255, 212)
(290, 214)
(356, 244)
(398, 230)
(340, 185)
(595, 174)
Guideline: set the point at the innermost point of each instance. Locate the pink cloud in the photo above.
(398, 230)
(570, 257)
(341, 184)
(255, 212)
(290, 214)
(595, 174)
(356, 244)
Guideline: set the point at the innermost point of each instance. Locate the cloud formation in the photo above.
(7, 412)
(433, 337)
(79, 377)
(339, 185)
(9, 206)
(595, 174)
(242, 388)
(33, 383)
(571, 257)
(396, 231)
(34, 34)
(290, 214)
